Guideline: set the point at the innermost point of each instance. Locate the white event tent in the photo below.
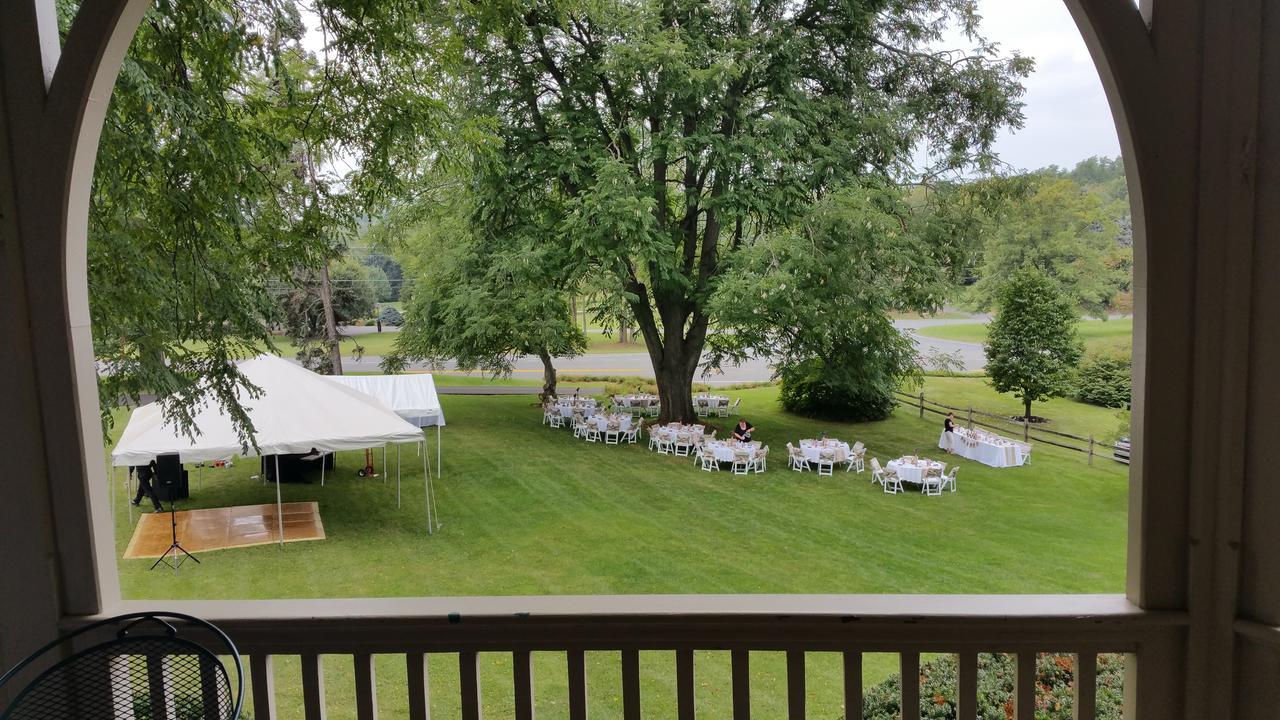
(412, 397)
(297, 411)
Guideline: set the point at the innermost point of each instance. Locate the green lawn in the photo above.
(1063, 415)
(1096, 334)
(530, 510)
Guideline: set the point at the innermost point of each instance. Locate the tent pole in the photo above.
(384, 465)
(431, 487)
(128, 491)
(397, 476)
(438, 468)
(426, 491)
(279, 503)
(322, 469)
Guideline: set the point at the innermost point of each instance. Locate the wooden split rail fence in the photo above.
(1009, 426)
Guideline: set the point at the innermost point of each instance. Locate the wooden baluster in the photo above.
(684, 685)
(522, 677)
(313, 687)
(1024, 686)
(853, 686)
(419, 687)
(967, 687)
(795, 685)
(157, 686)
(263, 677)
(210, 683)
(741, 684)
(630, 685)
(469, 680)
(577, 684)
(366, 687)
(1084, 703)
(910, 664)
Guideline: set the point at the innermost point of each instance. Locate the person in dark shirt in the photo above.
(742, 431)
(146, 474)
(949, 426)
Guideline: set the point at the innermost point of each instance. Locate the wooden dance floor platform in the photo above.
(220, 528)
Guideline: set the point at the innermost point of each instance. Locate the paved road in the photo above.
(638, 364)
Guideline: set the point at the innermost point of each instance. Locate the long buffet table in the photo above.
(986, 448)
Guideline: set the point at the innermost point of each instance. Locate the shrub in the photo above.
(1054, 679)
(1105, 379)
(808, 391)
(391, 316)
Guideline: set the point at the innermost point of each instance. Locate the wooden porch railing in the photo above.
(355, 631)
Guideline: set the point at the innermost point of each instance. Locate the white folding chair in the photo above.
(612, 434)
(932, 483)
(856, 454)
(950, 478)
(762, 457)
(796, 458)
(631, 435)
(742, 462)
(877, 472)
(709, 462)
(683, 444)
(826, 459)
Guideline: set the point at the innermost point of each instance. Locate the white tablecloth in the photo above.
(912, 472)
(602, 422)
(724, 450)
(566, 411)
(812, 449)
(636, 401)
(988, 449)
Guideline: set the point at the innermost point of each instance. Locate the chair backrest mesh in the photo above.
(146, 678)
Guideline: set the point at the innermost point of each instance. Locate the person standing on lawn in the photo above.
(146, 474)
(948, 427)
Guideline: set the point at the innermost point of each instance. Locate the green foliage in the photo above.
(300, 310)
(818, 390)
(1067, 232)
(211, 186)
(480, 299)
(659, 139)
(1105, 379)
(391, 272)
(996, 674)
(391, 316)
(815, 297)
(1032, 347)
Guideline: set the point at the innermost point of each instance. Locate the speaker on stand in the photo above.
(171, 485)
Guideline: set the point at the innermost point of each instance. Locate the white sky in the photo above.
(1067, 117)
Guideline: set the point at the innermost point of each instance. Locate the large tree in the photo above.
(667, 134)
(1067, 231)
(815, 297)
(212, 182)
(478, 298)
(1032, 347)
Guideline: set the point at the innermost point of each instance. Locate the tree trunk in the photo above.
(1026, 404)
(674, 375)
(548, 374)
(623, 331)
(573, 308)
(330, 324)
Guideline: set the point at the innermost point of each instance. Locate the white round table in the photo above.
(913, 472)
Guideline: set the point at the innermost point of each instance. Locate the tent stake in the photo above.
(279, 503)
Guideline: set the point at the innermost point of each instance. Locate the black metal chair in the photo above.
(143, 665)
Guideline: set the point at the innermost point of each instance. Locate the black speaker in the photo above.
(171, 480)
